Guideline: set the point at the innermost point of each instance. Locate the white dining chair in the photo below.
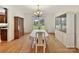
(40, 41)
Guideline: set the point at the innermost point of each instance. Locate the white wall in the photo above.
(28, 23)
(18, 11)
(12, 11)
(77, 30)
(66, 8)
(50, 22)
(70, 34)
(70, 25)
(56, 11)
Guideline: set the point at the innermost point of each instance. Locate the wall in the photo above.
(77, 30)
(70, 34)
(70, 30)
(56, 11)
(66, 8)
(50, 22)
(28, 23)
(20, 11)
(49, 19)
(12, 11)
(16, 11)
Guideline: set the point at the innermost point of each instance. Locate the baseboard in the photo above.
(48, 33)
(51, 33)
(77, 48)
(11, 40)
(27, 33)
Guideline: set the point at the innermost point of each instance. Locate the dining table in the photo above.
(33, 35)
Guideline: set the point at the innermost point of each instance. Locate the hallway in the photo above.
(22, 45)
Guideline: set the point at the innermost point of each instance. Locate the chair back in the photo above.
(40, 37)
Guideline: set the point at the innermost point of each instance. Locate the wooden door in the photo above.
(22, 26)
(16, 31)
(18, 27)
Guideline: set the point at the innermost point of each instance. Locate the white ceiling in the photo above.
(51, 8)
(34, 7)
(48, 8)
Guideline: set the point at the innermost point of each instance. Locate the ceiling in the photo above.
(51, 8)
(48, 8)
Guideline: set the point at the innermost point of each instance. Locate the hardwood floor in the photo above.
(57, 47)
(18, 45)
(23, 45)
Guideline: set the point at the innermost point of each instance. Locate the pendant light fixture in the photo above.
(38, 12)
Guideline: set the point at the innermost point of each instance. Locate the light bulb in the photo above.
(34, 13)
(38, 12)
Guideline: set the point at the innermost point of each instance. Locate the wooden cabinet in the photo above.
(18, 27)
(3, 29)
(4, 34)
(2, 18)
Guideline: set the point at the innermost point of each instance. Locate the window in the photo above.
(38, 23)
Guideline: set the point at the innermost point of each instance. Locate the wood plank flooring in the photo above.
(23, 45)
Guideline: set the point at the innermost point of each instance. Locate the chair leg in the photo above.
(43, 49)
(36, 49)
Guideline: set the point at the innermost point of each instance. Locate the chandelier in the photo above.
(38, 12)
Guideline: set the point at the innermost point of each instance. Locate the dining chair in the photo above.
(40, 41)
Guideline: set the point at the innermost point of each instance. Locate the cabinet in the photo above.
(60, 23)
(18, 27)
(3, 24)
(65, 29)
(3, 34)
(2, 18)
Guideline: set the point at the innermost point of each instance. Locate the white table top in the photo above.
(34, 32)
